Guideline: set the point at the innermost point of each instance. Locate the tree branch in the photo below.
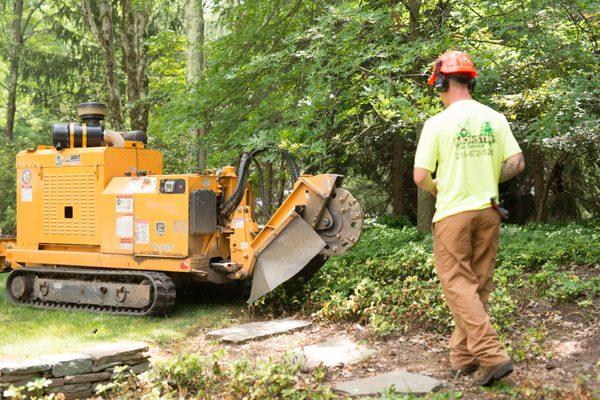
(30, 14)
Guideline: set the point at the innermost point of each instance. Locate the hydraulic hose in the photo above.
(266, 207)
(294, 175)
(243, 174)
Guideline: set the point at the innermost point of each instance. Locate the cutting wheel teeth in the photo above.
(344, 231)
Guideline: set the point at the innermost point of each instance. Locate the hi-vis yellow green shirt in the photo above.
(468, 141)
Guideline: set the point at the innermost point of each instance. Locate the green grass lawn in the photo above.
(26, 331)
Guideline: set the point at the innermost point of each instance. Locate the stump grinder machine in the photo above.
(100, 228)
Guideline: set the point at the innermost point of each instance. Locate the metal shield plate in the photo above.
(283, 258)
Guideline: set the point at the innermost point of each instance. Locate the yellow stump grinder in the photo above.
(100, 228)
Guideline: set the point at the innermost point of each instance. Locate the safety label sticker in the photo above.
(124, 204)
(126, 244)
(71, 159)
(124, 226)
(237, 223)
(142, 232)
(26, 194)
(26, 189)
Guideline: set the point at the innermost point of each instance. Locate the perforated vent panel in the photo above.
(69, 207)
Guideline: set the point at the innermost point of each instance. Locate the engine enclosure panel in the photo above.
(143, 219)
(59, 191)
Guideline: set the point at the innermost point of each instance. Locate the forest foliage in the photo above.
(340, 84)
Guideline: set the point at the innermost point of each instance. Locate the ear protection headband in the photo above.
(471, 84)
(441, 81)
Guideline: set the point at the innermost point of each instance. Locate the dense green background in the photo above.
(341, 84)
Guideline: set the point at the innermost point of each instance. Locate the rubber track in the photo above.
(163, 289)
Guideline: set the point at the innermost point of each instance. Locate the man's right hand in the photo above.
(512, 167)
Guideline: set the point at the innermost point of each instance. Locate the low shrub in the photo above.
(192, 376)
(388, 281)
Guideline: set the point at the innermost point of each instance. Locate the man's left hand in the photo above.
(422, 178)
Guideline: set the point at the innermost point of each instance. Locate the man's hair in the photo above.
(462, 79)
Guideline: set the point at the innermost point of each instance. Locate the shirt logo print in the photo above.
(468, 145)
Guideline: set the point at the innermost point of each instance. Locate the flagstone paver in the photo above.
(255, 330)
(333, 352)
(403, 382)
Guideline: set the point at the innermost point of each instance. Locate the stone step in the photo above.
(402, 381)
(332, 353)
(255, 330)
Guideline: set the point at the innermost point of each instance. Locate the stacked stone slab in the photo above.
(76, 375)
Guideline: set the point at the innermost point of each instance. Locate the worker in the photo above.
(471, 149)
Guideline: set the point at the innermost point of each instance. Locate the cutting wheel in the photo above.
(342, 223)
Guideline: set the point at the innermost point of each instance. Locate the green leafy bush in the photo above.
(192, 376)
(8, 152)
(388, 281)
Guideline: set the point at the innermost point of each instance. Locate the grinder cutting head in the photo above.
(341, 224)
(322, 220)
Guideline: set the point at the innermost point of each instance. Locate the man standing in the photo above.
(474, 150)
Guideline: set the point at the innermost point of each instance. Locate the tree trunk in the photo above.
(135, 60)
(425, 210)
(397, 176)
(13, 72)
(130, 60)
(539, 184)
(103, 33)
(194, 23)
(425, 204)
(425, 201)
(414, 9)
(142, 64)
(541, 214)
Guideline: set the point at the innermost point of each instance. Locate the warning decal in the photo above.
(26, 189)
(26, 194)
(126, 244)
(125, 226)
(142, 232)
(124, 204)
(141, 185)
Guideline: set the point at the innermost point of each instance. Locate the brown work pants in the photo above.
(464, 248)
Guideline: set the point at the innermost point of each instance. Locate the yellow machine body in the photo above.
(59, 192)
(76, 207)
(111, 209)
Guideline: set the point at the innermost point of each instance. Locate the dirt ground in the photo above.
(566, 348)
